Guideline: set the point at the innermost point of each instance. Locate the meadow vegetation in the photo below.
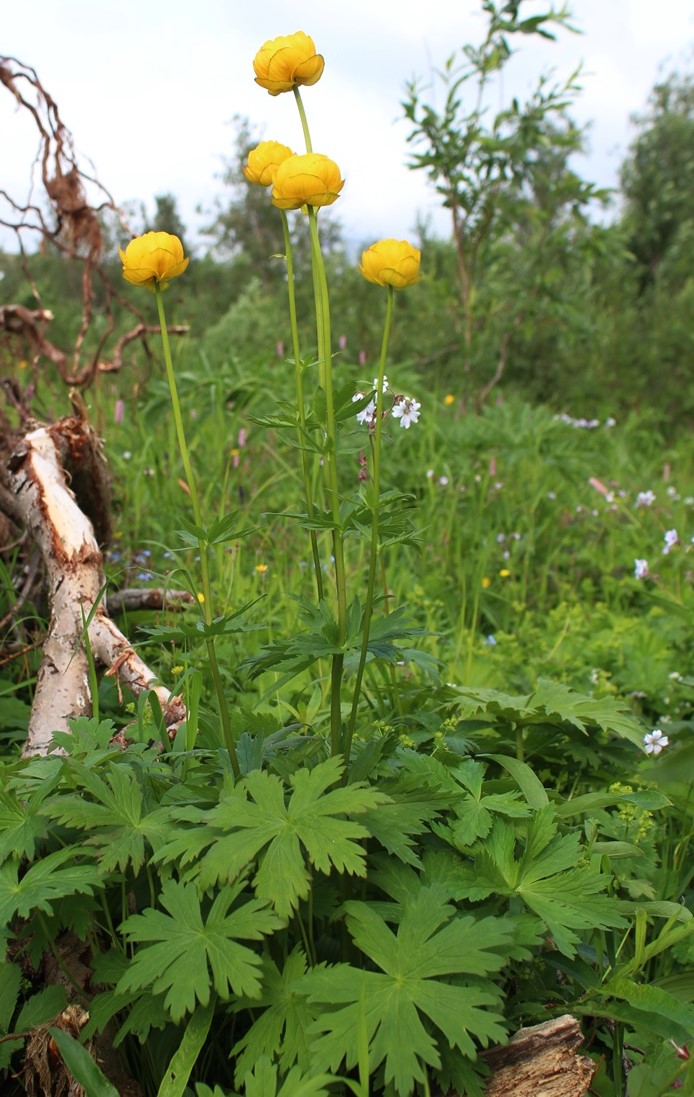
(437, 777)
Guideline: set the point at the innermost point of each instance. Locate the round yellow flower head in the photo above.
(263, 162)
(153, 260)
(285, 62)
(308, 180)
(391, 263)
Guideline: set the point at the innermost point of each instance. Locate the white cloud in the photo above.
(148, 89)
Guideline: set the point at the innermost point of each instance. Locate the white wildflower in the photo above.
(406, 409)
(654, 741)
(641, 569)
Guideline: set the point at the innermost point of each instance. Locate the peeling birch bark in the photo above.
(48, 509)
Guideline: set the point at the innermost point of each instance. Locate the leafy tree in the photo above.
(168, 219)
(507, 183)
(656, 176)
(249, 224)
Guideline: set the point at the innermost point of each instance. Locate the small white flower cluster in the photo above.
(645, 499)
(404, 408)
(672, 539)
(654, 741)
(641, 569)
(584, 424)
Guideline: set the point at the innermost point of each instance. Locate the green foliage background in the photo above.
(499, 849)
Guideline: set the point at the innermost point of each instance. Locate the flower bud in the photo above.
(308, 180)
(153, 260)
(263, 162)
(286, 62)
(391, 263)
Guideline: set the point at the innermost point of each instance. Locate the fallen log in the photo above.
(541, 1061)
(43, 503)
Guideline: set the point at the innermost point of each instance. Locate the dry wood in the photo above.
(46, 507)
(133, 598)
(541, 1061)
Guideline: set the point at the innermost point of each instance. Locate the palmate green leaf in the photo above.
(116, 819)
(185, 843)
(21, 826)
(141, 1011)
(397, 825)
(572, 901)
(474, 813)
(228, 624)
(190, 954)
(608, 713)
(475, 702)
(288, 836)
(432, 944)
(44, 882)
(280, 1030)
(553, 703)
(545, 876)
(263, 1082)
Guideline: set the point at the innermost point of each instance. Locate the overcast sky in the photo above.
(149, 87)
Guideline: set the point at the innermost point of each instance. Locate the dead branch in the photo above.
(541, 1060)
(73, 224)
(46, 506)
(134, 598)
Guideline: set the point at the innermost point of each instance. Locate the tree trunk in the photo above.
(46, 507)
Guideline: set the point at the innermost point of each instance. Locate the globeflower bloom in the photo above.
(284, 63)
(153, 260)
(308, 180)
(264, 160)
(391, 263)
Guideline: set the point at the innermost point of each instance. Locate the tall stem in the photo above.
(301, 411)
(202, 544)
(304, 120)
(332, 491)
(374, 493)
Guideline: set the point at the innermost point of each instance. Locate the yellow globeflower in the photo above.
(391, 263)
(153, 260)
(308, 180)
(264, 160)
(285, 62)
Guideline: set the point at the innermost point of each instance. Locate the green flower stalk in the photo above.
(206, 606)
(304, 120)
(314, 180)
(393, 264)
(152, 261)
(301, 412)
(373, 498)
(308, 182)
(332, 490)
